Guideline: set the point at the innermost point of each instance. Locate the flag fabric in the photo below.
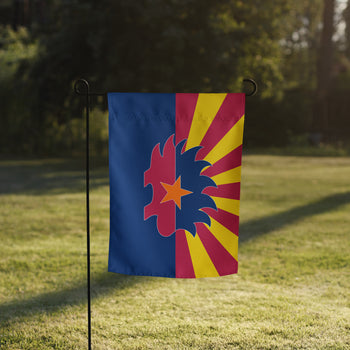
(175, 172)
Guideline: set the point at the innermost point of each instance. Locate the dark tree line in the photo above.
(163, 46)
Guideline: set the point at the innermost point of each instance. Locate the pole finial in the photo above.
(82, 87)
(253, 83)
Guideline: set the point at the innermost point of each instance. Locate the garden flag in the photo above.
(175, 172)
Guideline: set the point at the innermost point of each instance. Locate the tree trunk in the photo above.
(346, 15)
(320, 115)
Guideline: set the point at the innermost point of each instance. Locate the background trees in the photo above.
(152, 45)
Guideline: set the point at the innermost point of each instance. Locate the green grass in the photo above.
(291, 292)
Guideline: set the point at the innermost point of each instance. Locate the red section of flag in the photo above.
(223, 261)
(184, 267)
(230, 161)
(185, 107)
(230, 221)
(231, 110)
(230, 191)
(162, 169)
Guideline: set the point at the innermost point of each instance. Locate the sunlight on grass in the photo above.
(291, 292)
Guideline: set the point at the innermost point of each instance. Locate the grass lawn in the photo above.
(291, 292)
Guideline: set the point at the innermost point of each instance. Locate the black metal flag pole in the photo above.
(82, 88)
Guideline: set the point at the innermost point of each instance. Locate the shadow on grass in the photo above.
(106, 282)
(37, 177)
(262, 226)
(51, 302)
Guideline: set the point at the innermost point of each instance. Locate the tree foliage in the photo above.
(162, 46)
(152, 45)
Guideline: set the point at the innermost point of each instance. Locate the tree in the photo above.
(324, 69)
(346, 16)
(301, 44)
(326, 48)
(152, 45)
(162, 46)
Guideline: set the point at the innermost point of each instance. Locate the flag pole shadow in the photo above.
(265, 225)
(50, 302)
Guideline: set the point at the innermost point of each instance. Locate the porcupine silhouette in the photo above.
(177, 183)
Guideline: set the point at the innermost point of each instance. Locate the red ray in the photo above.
(231, 191)
(230, 221)
(183, 261)
(223, 261)
(231, 110)
(185, 106)
(230, 161)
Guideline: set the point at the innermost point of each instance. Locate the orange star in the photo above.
(174, 192)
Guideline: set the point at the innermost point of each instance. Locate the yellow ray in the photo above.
(202, 264)
(232, 139)
(227, 238)
(206, 108)
(227, 204)
(228, 177)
